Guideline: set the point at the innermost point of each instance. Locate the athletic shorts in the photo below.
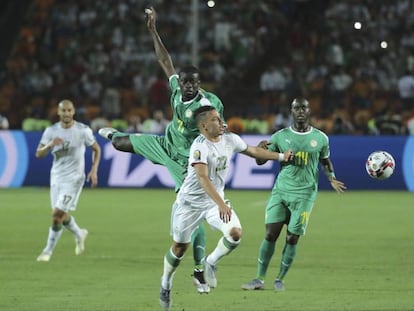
(293, 210)
(156, 149)
(65, 196)
(185, 219)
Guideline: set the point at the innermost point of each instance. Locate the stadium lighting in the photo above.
(384, 44)
(211, 3)
(357, 25)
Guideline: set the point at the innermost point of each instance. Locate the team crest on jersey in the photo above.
(197, 155)
(313, 143)
(188, 113)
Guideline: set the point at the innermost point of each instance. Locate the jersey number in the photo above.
(304, 217)
(180, 126)
(302, 157)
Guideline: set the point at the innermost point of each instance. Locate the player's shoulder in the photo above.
(200, 139)
(319, 132)
(80, 125)
(210, 96)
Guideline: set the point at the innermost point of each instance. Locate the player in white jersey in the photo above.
(201, 196)
(66, 141)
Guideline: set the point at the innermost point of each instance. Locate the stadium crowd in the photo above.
(353, 60)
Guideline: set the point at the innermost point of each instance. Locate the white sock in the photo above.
(219, 252)
(73, 227)
(52, 240)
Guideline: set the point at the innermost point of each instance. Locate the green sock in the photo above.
(198, 240)
(288, 255)
(265, 254)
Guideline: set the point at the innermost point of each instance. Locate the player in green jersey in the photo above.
(172, 149)
(295, 190)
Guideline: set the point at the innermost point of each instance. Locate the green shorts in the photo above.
(156, 149)
(293, 210)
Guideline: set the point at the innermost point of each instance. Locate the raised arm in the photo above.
(261, 154)
(163, 57)
(201, 170)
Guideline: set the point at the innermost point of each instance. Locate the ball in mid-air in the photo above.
(380, 165)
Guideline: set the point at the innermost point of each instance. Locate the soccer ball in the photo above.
(380, 165)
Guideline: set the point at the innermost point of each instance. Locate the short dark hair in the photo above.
(201, 112)
(189, 69)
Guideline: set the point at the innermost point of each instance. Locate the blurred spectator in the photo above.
(235, 124)
(134, 124)
(159, 92)
(4, 123)
(111, 103)
(406, 90)
(157, 124)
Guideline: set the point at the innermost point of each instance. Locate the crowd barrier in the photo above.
(19, 167)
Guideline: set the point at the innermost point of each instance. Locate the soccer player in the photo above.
(172, 149)
(66, 141)
(202, 196)
(295, 190)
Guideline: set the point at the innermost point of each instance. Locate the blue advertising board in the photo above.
(19, 166)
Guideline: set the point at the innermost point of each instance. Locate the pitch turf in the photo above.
(357, 255)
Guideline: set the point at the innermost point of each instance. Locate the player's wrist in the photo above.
(281, 157)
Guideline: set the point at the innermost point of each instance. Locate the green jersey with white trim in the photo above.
(300, 176)
(182, 130)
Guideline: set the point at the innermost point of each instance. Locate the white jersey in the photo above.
(217, 156)
(69, 158)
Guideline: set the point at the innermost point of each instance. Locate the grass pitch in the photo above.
(357, 255)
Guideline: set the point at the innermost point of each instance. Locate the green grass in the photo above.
(357, 255)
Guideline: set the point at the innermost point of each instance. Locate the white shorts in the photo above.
(65, 196)
(185, 219)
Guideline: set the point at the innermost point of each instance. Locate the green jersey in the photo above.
(182, 130)
(300, 176)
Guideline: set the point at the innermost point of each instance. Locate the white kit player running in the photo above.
(66, 140)
(201, 196)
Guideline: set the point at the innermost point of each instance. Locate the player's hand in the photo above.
(93, 178)
(338, 186)
(288, 155)
(56, 142)
(263, 144)
(225, 213)
(151, 18)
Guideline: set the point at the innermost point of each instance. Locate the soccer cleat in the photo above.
(199, 282)
(45, 257)
(210, 273)
(165, 298)
(278, 285)
(80, 242)
(107, 132)
(254, 284)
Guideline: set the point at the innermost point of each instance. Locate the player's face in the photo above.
(214, 125)
(301, 113)
(66, 111)
(189, 85)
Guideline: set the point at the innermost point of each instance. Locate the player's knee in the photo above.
(292, 239)
(122, 143)
(236, 234)
(179, 249)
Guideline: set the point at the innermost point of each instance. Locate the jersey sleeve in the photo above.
(198, 153)
(325, 150)
(175, 89)
(273, 146)
(46, 136)
(239, 144)
(89, 137)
